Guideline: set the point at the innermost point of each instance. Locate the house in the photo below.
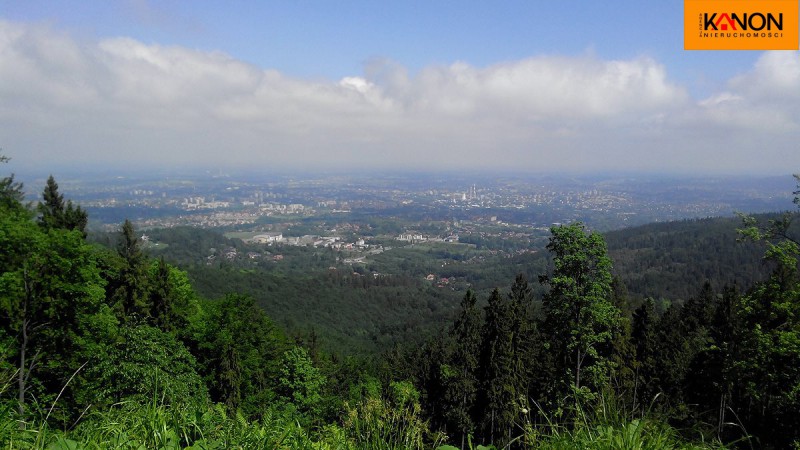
(267, 238)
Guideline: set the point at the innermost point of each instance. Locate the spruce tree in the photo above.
(499, 385)
(51, 209)
(519, 304)
(54, 213)
(462, 385)
(643, 335)
(130, 286)
(161, 301)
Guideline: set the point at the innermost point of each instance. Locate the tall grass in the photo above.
(373, 423)
(605, 425)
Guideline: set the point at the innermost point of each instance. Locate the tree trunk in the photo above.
(21, 372)
(721, 420)
(635, 389)
(491, 435)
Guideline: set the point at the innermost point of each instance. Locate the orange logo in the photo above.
(740, 25)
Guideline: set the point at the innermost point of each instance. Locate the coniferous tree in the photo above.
(498, 380)
(54, 213)
(644, 337)
(622, 348)
(698, 312)
(673, 356)
(75, 218)
(710, 380)
(434, 373)
(697, 317)
(162, 298)
(727, 333)
(130, 285)
(462, 385)
(525, 345)
(51, 209)
(239, 354)
(684, 339)
(519, 305)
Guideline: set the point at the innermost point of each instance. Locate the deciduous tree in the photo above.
(578, 313)
(50, 287)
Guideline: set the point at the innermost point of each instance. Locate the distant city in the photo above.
(248, 204)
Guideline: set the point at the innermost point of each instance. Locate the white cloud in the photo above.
(764, 100)
(775, 75)
(124, 102)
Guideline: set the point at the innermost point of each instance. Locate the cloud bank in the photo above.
(124, 103)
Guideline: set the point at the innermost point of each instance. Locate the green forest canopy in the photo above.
(91, 337)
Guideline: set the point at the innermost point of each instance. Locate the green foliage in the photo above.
(115, 350)
(579, 317)
(239, 350)
(500, 382)
(54, 213)
(171, 298)
(388, 423)
(144, 364)
(460, 373)
(645, 341)
(50, 295)
(769, 365)
(672, 261)
(11, 192)
(765, 363)
(301, 383)
(130, 288)
(635, 434)
(133, 426)
(351, 312)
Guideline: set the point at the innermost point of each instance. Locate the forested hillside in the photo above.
(671, 261)
(369, 308)
(108, 347)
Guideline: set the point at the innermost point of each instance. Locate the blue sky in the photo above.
(551, 85)
(336, 39)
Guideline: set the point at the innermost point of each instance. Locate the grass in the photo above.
(244, 235)
(605, 425)
(372, 423)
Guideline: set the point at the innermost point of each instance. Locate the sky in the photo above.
(568, 86)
